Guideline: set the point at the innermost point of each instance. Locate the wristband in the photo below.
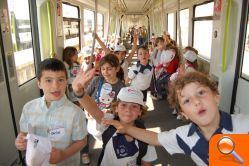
(79, 96)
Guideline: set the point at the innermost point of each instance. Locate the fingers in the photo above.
(21, 142)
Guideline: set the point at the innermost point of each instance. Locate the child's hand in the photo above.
(21, 141)
(121, 128)
(81, 80)
(56, 156)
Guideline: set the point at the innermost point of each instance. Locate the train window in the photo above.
(203, 26)
(100, 27)
(88, 26)
(71, 25)
(184, 22)
(22, 40)
(245, 66)
(171, 24)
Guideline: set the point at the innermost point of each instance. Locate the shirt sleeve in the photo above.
(131, 73)
(24, 120)
(79, 126)
(168, 140)
(151, 154)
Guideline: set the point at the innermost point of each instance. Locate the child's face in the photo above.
(109, 72)
(160, 45)
(53, 84)
(128, 112)
(199, 104)
(120, 55)
(74, 57)
(87, 59)
(143, 56)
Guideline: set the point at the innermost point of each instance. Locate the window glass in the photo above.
(88, 26)
(171, 25)
(71, 26)
(22, 40)
(204, 10)
(70, 11)
(184, 22)
(100, 27)
(203, 37)
(245, 66)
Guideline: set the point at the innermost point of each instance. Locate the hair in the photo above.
(115, 104)
(188, 78)
(195, 64)
(172, 47)
(114, 62)
(159, 39)
(51, 64)
(67, 54)
(143, 47)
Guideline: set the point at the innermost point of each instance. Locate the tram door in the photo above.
(17, 72)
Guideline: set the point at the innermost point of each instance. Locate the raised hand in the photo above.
(81, 80)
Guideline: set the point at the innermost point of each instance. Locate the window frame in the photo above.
(204, 18)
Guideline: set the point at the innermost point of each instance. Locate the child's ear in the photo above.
(184, 115)
(39, 84)
(217, 98)
(118, 68)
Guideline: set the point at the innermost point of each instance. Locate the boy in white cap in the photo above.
(118, 149)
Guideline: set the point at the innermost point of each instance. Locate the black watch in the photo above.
(79, 96)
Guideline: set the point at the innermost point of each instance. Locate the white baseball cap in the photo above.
(190, 56)
(87, 51)
(131, 94)
(167, 56)
(119, 48)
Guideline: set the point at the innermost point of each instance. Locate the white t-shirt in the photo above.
(140, 80)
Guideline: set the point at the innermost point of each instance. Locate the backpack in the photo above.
(108, 133)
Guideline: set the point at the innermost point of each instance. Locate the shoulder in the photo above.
(240, 123)
(33, 103)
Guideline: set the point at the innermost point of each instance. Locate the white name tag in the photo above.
(57, 133)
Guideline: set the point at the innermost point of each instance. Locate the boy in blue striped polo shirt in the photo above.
(196, 97)
(53, 116)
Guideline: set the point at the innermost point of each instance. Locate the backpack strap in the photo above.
(142, 146)
(106, 136)
(100, 83)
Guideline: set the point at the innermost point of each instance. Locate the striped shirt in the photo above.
(189, 140)
(63, 116)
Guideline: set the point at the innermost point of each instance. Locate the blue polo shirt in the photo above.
(189, 140)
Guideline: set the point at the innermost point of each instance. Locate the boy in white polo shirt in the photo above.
(196, 97)
(140, 74)
(53, 116)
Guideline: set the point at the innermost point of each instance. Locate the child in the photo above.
(168, 64)
(70, 57)
(140, 74)
(54, 116)
(196, 97)
(118, 149)
(190, 63)
(120, 52)
(104, 88)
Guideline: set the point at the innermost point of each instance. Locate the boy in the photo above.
(141, 73)
(197, 99)
(54, 116)
(118, 149)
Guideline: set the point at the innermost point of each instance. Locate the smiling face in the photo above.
(128, 112)
(53, 84)
(199, 104)
(109, 72)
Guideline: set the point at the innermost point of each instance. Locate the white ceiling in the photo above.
(135, 6)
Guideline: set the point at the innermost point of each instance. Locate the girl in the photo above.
(118, 149)
(70, 57)
(103, 89)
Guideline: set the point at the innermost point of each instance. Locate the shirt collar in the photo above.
(225, 122)
(54, 104)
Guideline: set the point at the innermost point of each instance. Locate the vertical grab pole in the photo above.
(95, 29)
(179, 26)
(109, 19)
(162, 18)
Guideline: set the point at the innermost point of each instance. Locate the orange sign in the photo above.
(229, 150)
